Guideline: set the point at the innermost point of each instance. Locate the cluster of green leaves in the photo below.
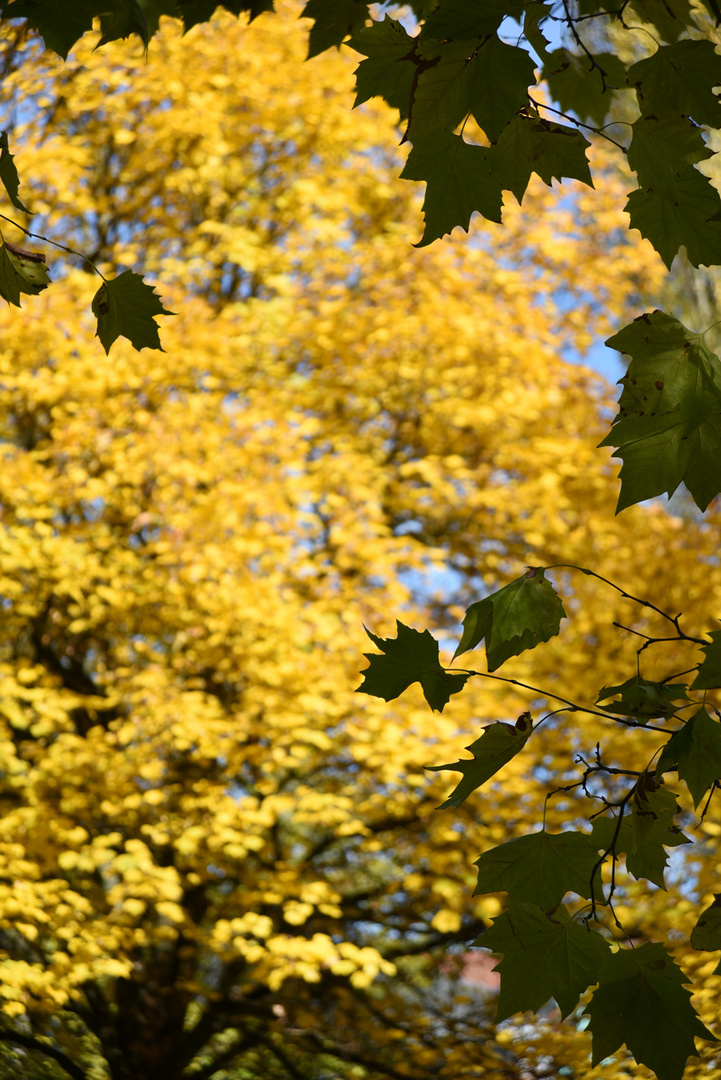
(552, 949)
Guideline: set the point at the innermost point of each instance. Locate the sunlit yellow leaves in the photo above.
(341, 428)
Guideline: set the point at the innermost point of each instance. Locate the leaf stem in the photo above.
(47, 240)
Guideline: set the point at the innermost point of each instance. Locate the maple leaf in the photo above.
(334, 20)
(640, 1002)
(679, 215)
(9, 173)
(529, 144)
(498, 79)
(516, 618)
(494, 749)
(410, 657)
(694, 751)
(644, 832)
(125, 307)
(467, 19)
(21, 272)
(679, 79)
(668, 428)
(706, 934)
(539, 868)
(387, 71)
(581, 86)
(544, 956)
(460, 179)
(60, 25)
(709, 671)
(643, 699)
(537, 12)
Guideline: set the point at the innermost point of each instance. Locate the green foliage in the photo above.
(643, 699)
(410, 657)
(544, 956)
(125, 307)
(495, 748)
(709, 670)
(640, 1001)
(550, 949)
(514, 619)
(694, 751)
(706, 934)
(460, 178)
(643, 832)
(540, 868)
(21, 272)
(668, 427)
(9, 173)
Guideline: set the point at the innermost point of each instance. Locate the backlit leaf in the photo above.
(709, 672)
(647, 827)
(642, 698)
(668, 428)
(460, 180)
(410, 657)
(514, 619)
(125, 307)
(539, 868)
(9, 173)
(695, 752)
(640, 1002)
(544, 956)
(496, 746)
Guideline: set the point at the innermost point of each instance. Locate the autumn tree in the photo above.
(215, 856)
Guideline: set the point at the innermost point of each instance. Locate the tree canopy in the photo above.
(217, 860)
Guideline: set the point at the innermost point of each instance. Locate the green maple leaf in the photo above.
(9, 174)
(60, 25)
(466, 19)
(640, 1002)
(21, 272)
(529, 144)
(410, 657)
(706, 934)
(671, 18)
(539, 868)
(125, 307)
(335, 20)
(675, 204)
(694, 751)
(494, 749)
(514, 619)
(581, 88)
(668, 427)
(678, 79)
(680, 216)
(645, 832)
(643, 699)
(441, 97)
(709, 671)
(459, 180)
(387, 71)
(537, 12)
(489, 80)
(141, 17)
(498, 79)
(660, 147)
(200, 11)
(543, 957)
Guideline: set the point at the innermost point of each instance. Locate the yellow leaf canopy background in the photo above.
(214, 856)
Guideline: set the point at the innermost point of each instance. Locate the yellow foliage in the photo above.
(200, 818)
